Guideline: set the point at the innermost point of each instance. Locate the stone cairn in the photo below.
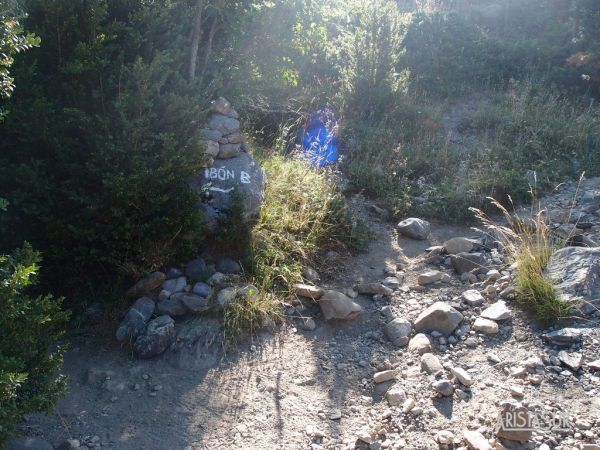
(224, 139)
(228, 167)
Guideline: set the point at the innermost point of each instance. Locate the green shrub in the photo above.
(102, 136)
(248, 312)
(30, 349)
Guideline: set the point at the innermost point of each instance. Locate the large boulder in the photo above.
(216, 185)
(336, 305)
(135, 320)
(438, 317)
(414, 228)
(576, 273)
(158, 336)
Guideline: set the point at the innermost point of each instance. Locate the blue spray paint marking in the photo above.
(319, 142)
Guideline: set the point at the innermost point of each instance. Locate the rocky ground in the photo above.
(429, 352)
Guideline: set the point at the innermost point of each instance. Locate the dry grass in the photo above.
(530, 244)
(248, 312)
(303, 213)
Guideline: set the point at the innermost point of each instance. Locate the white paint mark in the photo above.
(224, 191)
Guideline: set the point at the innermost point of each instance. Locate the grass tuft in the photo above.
(303, 214)
(249, 312)
(530, 244)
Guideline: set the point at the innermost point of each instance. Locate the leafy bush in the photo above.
(13, 40)
(30, 349)
(102, 136)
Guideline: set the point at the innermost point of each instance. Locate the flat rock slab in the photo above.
(476, 440)
(458, 245)
(498, 311)
(308, 291)
(564, 337)
(572, 360)
(468, 262)
(576, 274)
(373, 288)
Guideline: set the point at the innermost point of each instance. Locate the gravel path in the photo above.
(298, 389)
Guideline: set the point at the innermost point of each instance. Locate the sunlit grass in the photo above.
(530, 244)
(303, 214)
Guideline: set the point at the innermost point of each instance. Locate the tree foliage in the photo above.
(12, 41)
(30, 351)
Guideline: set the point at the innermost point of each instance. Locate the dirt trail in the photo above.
(293, 389)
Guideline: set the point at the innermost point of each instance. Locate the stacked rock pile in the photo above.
(224, 139)
(228, 168)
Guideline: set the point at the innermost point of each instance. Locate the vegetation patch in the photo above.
(530, 244)
(30, 348)
(304, 213)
